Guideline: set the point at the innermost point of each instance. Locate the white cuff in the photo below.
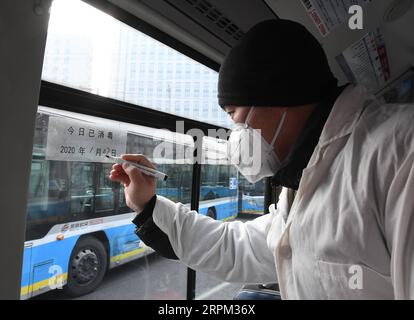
(164, 213)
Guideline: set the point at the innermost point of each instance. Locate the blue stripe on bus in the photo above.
(38, 259)
(223, 210)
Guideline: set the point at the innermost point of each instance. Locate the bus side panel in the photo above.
(49, 260)
(224, 210)
(124, 244)
(25, 291)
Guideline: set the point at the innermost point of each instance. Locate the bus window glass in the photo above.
(105, 200)
(78, 221)
(219, 201)
(82, 189)
(101, 55)
(251, 197)
(224, 196)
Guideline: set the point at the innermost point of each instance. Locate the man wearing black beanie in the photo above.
(280, 64)
(349, 232)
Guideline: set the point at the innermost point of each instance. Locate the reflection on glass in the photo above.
(251, 197)
(105, 191)
(91, 51)
(219, 201)
(224, 196)
(178, 186)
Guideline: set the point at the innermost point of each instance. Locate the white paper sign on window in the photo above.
(74, 140)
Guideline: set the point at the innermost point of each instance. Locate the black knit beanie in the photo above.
(276, 63)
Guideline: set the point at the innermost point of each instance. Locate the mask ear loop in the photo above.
(249, 115)
(279, 129)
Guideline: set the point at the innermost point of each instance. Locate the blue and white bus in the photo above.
(78, 224)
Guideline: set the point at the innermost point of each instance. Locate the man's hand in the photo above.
(139, 187)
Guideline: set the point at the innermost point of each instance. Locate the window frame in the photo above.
(65, 98)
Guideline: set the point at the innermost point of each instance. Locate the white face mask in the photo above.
(252, 155)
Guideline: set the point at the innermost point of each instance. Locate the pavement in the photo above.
(153, 278)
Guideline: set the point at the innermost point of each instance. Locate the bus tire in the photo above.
(87, 266)
(212, 213)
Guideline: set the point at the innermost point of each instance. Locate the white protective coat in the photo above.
(350, 231)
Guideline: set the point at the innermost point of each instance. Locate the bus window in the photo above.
(78, 221)
(105, 190)
(82, 190)
(224, 196)
(101, 55)
(251, 198)
(178, 186)
(48, 197)
(219, 201)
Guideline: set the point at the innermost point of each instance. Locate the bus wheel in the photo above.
(87, 267)
(212, 212)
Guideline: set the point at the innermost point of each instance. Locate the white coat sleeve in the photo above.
(399, 229)
(231, 251)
